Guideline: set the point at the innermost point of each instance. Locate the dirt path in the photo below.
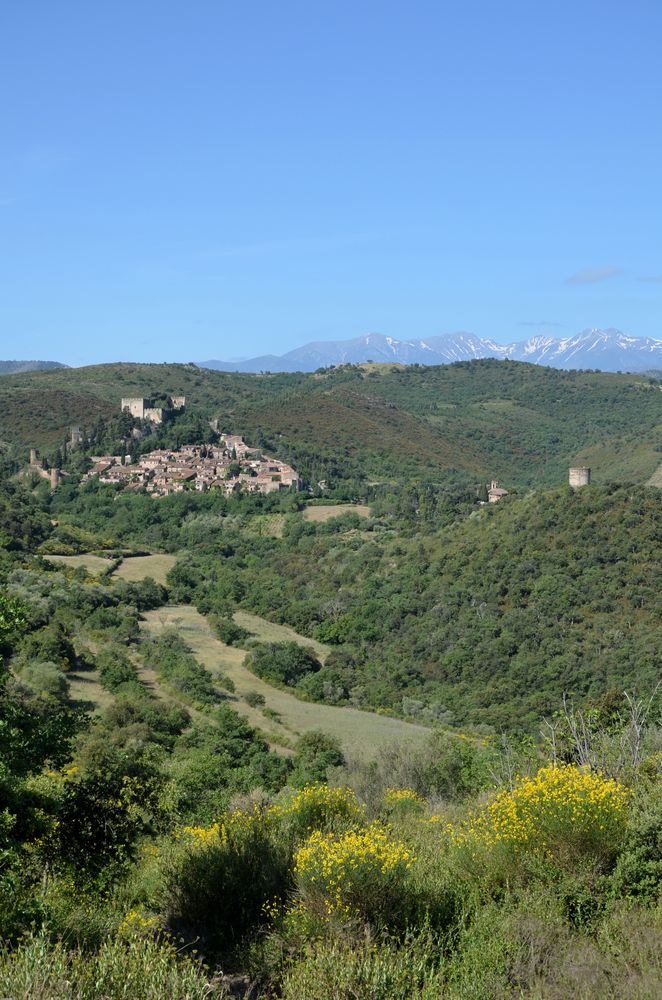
(656, 478)
(361, 734)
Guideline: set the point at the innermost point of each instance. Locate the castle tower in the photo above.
(55, 478)
(34, 456)
(76, 435)
(580, 476)
(135, 406)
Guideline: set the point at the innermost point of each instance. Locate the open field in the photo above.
(324, 512)
(93, 564)
(271, 632)
(361, 734)
(656, 478)
(266, 525)
(85, 686)
(134, 568)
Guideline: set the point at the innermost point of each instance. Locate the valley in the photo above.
(362, 735)
(372, 695)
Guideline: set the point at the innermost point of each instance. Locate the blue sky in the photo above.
(212, 179)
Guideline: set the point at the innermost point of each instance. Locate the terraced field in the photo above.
(132, 568)
(319, 513)
(361, 734)
(135, 568)
(93, 564)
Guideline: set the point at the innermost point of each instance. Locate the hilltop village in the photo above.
(230, 466)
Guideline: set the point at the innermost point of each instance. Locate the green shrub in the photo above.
(176, 666)
(254, 698)
(315, 754)
(137, 969)
(115, 667)
(638, 870)
(216, 880)
(525, 948)
(282, 662)
(228, 631)
(47, 679)
(319, 807)
(367, 969)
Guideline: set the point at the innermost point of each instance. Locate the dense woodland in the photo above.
(154, 843)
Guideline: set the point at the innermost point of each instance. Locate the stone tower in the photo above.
(55, 478)
(579, 477)
(135, 406)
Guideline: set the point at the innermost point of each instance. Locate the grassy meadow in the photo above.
(93, 564)
(321, 513)
(136, 568)
(361, 734)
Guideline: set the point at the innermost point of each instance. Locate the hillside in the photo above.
(431, 610)
(10, 367)
(487, 620)
(521, 423)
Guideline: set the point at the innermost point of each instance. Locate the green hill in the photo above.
(489, 619)
(520, 423)
(9, 367)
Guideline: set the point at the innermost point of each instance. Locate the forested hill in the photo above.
(487, 620)
(472, 420)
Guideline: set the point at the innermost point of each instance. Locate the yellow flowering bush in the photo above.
(137, 923)
(319, 807)
(215, 879)
(359, 871)
(403, 802)
(232, 825)
(563, 810)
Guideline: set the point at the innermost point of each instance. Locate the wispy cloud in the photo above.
(540, 322)
(653, 279)
(590, 275)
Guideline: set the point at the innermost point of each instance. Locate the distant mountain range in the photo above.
(606, 350)
(12, 367)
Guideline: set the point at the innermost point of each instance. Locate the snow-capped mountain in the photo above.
(607, 350)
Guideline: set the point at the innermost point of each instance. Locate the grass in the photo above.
(361, 734)
(271, 632)
(323, 512)
(86, 687)
(135, 568)
(629, 459)
(93, 564)
(266, 526)
(656, 478)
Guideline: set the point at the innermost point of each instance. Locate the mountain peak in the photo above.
(606, 349)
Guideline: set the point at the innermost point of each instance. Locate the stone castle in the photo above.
(143, 409)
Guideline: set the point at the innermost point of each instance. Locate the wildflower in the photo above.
(353, 870)
(561, 804)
